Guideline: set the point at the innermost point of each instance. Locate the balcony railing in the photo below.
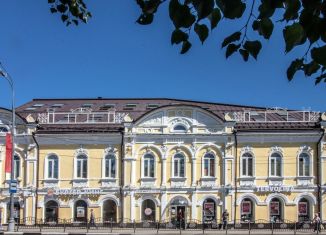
(276, 115)
(80, 116)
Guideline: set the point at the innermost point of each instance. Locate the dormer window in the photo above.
(179, 128)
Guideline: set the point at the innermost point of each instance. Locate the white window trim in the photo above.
(75, 167)
(203, 166)
(185, 166)
(270, 165)
(5, 126)
(143, 166)
(46, 166)
(253, 165)
(310, 165)
(180, 131)
(104, 164)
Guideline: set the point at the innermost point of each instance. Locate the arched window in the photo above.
(110, 166)
(247, 164)
(53, 169)
(109, 211)
(178, 165)
(81, 168)
(276, 165)
(209, 210)
(304, 164)
(209, 165)
(51, 211)
(149, 165)
(179, 128)
(3, 129)
(80, 211)
(247, 210)
(148, 210)
(276, 210)
(16, 166)
(303, 210)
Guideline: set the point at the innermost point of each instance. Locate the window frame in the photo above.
(148, 169)
(309, 165)
(47, 167)
(19, 166)
(108, 158)
(271, 157)
(246, 166)
(203, 165)
(179, 166)
(82, 168)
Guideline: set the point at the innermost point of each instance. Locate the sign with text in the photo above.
(83, 191)
(246, 208)
(275, 188)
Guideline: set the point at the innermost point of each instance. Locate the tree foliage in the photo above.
(304, 23)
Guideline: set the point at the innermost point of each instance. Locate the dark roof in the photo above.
(136, 108)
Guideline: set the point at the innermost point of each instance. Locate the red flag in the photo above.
(8, 153)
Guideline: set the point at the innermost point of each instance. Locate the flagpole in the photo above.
(11, 222)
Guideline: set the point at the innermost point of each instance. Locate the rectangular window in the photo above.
(110, 168)
(273, 167)
(82, 168)
(301, 166)
(212, 169)
(182, 168)
(16, 169)
(244, 166)
(250, 167)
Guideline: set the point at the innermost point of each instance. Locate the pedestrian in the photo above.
(225, 218)
(92, 219)
(180, 219)
(316, 220)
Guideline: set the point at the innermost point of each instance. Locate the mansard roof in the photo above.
(136, 108)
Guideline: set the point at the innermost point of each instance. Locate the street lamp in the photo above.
(3, 73)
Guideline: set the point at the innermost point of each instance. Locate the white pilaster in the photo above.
(193, 171)
(132, 206)
(164, 199)
(193, 206)
(163, 172)
(133, 172)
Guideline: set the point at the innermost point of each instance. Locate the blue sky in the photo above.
(114, 57)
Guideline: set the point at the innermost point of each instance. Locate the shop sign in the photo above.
(303, 208)
(77, 191)
(148, 191)
(246, 208)
(148, 211)
(274, 208)
(209, 209)
(275, 188)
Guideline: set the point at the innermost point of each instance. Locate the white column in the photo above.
(193, 206)
(132, 206)
(164, 202)
(133, 172)
(193, 171)
(163, 172)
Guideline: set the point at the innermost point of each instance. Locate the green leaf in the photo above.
(311, 68)
(202, 31)
(231, 9)
(233, 37)
(245, 54)
(75, 22)
(231, 48)
(178, 36)
(292, 7)
(62, 8)
(53, 10)
(203, 8)
(266, 27)
(180, 15)
(51, 1)
(293, 68)
(215, 17)
(267, 8)
(318, 54)
(145, 19)
(253, 47)
(320, 78)
(185, 47)
(293, 35)
(64, 18)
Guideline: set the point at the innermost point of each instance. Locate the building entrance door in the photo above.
(178, 216)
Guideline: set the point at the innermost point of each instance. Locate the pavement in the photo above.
(155, 232)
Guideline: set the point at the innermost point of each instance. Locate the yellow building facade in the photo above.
(162, 160)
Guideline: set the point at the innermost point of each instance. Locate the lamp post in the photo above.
(3, 73)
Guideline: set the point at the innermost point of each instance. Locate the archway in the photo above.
(304, 211)
(276, 210)
(109, 211)
(80, 211)
(148, 210)
(209, 210)
(247, 210)
(51, 211)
